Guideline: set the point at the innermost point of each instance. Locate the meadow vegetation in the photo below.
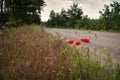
(30, 53)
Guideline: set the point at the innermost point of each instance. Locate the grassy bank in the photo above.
(29, 53)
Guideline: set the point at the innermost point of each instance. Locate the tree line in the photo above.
(73, 18)
(19, 12)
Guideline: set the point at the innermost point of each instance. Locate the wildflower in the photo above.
(86, 40)
(71, 41)
(77, 43)
(104, 49)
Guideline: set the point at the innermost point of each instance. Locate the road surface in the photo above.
(99, 40)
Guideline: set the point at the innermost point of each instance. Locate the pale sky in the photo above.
(89, 7)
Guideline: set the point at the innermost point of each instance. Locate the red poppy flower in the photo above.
(71, 41)
(77, 43)
(86, 40)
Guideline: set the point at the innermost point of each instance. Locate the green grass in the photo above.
(30, 53)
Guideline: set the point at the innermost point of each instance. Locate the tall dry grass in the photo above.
(26, 53)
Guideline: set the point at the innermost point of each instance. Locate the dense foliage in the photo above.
(73, 18)
(18, 12)
(110, 18)
(67, 18)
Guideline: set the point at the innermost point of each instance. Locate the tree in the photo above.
(109, 19)
(52, 18)
(74, 14)
(64, 17)
(106, 15)
(83, 23)
(3, 15)
(1, 5)
(24, 11)
(115, 7)
(52, 14)
(115, 15)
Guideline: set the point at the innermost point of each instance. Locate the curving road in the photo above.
(99, 40)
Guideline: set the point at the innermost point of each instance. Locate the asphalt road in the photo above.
(99, 40)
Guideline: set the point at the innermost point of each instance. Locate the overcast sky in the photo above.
(89, 7)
